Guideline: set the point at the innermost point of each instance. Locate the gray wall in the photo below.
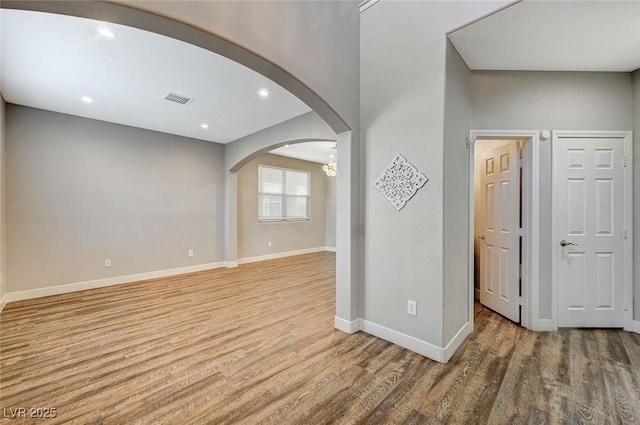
(403, 50)
(253, 236)
(636, 193)
(330, 208)
(504, 100)
(81, 190)
(457, 123)
(3, 204)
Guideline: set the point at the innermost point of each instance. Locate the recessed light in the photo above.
(204, 126)
(86, 99)
(330, 156)
(263, 93)
(286, 146)
(106, 32)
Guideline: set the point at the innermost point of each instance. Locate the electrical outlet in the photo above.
(269, 244)
(190, 253)
(107, 262)
(412, 308)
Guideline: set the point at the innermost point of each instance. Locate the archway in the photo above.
(347, 240)
(255, 239)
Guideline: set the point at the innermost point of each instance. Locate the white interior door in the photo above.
(589, 221)
(500, 247)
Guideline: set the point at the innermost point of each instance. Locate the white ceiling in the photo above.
(555, 36)
(321, 152)
(50, 61)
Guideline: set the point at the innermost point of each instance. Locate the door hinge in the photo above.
(520, 163)
(624, 161)
(469, 142)
(519, 300)
(520, 232)
(626, 306)
(520, 271)
(625, 234)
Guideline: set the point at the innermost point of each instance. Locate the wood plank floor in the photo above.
(256, 345)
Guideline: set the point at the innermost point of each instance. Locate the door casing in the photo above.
(626, 138)
(530, 222)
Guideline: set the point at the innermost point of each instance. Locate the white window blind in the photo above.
(283, 194)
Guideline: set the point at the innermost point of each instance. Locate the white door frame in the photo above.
(626, 138)
(529, 317)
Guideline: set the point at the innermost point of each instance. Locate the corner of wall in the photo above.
(457, 119)
(434, 352)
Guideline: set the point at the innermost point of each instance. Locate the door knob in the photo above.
(565, 243)
(482, 236)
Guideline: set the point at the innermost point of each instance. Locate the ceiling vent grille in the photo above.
(176, 98)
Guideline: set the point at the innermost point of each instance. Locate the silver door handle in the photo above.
(565, 243)
(482, 236)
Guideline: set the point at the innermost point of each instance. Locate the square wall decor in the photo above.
(400, 181)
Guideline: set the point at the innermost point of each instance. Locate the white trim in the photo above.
(99, 283)
(280, 255)
(330, 248)
(230, 264)
(628, 151)
(544, 325)
(449, 350)
(626, 136)
(635, 326)
(471, 272)
(348, 326)
(531, 219)
(479, 18)
(3, 301)
(365, 4)
(411, 343)
(424, 348)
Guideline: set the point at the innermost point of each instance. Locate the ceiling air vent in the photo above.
(176, 98)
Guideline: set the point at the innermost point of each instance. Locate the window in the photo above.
(283, 195)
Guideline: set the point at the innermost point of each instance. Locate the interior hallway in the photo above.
(256, 344)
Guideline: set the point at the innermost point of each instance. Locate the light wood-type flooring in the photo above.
(256, 345)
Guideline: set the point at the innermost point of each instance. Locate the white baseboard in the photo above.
(330, 248)
(348, 326)
(3, 302)
(280, 255)
(99, 283)
(411, 343)
(477, 293)
(635, 326)
(424, 348)
(449, 350)
(230, 264)
(543, 325)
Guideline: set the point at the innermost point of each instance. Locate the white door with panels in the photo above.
(500, 247)
(589, 212)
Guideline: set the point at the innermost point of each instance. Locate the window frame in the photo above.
(283, 196)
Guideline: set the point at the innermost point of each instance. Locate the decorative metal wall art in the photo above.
(400, 181)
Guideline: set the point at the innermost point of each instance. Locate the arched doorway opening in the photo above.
(347, 239)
